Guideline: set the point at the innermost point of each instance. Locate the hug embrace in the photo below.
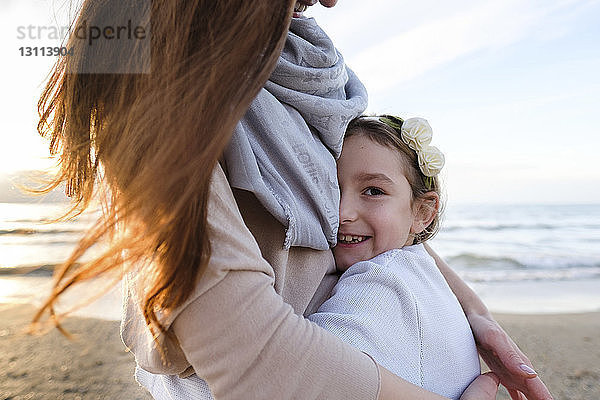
(273, 240)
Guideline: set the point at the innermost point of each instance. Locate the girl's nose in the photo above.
(348, 211)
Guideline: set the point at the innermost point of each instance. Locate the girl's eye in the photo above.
(373, 191)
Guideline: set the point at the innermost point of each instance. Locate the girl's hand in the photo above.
(484, 387)
(506, 360)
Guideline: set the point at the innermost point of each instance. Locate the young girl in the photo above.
(392, 302)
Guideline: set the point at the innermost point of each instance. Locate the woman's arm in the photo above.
(246, 342)
(258, 348)
(484, 387)
(396, 388)
(496, 348)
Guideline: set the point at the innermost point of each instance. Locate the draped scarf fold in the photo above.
(284, 148)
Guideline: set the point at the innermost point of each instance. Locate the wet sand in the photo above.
(565, 350)
(94, 365)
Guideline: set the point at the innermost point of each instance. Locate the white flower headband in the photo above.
(417, 134)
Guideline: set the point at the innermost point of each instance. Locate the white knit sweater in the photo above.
(395, 307)
(398, 308)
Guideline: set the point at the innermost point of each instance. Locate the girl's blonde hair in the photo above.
(147, 143)
(387, 136)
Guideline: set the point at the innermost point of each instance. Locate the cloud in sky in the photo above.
(501, 82)
(431, 40)
(488, 74)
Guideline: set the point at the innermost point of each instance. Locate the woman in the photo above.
(221, 278)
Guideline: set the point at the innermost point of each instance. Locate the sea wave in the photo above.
(561, 274)
(467, 260)
(31, 231)
(517, 226)
(472, 261)
(30, 270)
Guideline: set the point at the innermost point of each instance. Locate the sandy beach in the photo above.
(94, 365)
(565, 350)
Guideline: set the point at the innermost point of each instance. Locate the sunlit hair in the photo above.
(146, 144)
(385, 135)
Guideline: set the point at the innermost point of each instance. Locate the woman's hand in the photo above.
(484, 387)
(506, 360)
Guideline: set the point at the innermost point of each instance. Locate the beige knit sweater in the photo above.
(242, 329)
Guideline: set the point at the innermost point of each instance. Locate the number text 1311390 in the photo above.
(45, 51)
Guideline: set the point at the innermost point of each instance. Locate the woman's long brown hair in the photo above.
(146, 144)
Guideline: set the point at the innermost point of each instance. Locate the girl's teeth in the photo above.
(351, 239)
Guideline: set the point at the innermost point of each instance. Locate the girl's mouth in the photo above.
(351, 239)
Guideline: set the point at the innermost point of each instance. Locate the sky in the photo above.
(510, 87)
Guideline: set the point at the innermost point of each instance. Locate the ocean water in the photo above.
(504, 243)
(29, 240)
(520, 258)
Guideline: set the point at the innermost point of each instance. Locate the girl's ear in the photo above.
(426, 208)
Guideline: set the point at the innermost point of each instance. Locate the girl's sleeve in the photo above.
(245, 341)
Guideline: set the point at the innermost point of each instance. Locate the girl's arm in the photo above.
(496, 348)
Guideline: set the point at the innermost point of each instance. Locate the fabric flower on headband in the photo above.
(417, 134)
(431, 160)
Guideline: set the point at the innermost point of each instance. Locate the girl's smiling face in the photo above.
(376, 207)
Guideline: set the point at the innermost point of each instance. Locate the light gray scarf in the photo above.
(284, 148)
